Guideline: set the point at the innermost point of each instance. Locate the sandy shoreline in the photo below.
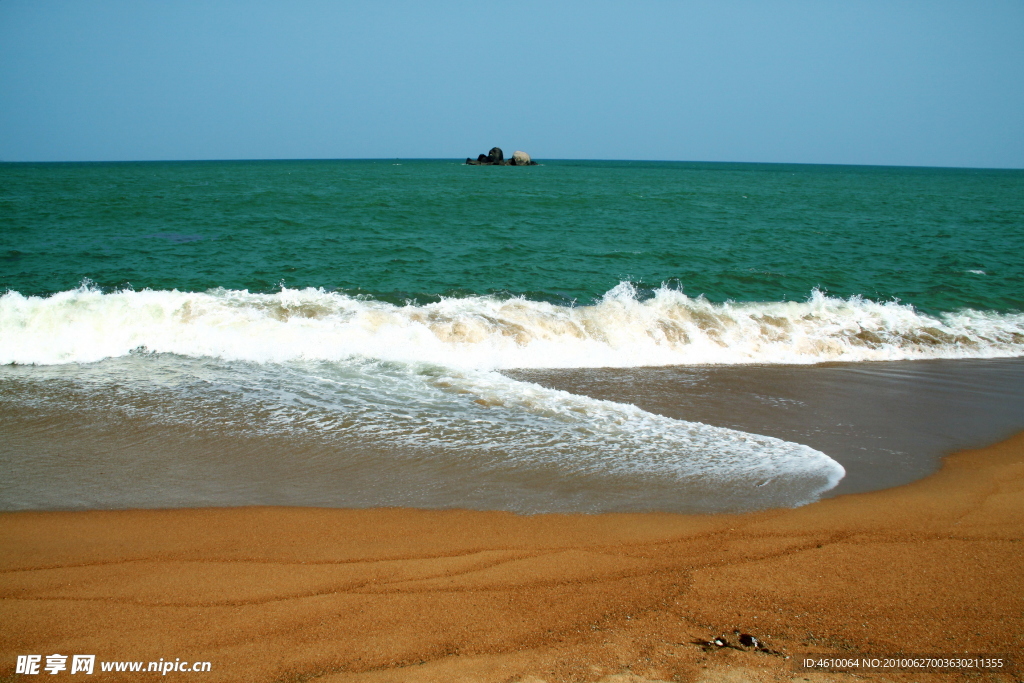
(292, 594)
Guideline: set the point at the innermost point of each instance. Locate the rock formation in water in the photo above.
(497, 158)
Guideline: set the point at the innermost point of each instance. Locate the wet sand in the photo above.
(888, 423)
(297, 594)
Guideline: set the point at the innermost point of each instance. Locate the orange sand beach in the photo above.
(299, 594)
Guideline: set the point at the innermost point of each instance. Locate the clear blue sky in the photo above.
(929, 82)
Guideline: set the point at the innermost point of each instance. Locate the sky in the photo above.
(889, 82)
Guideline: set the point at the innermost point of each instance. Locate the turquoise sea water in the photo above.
(369, 318)
(939, 239)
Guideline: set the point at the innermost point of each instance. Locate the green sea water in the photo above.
(562, 232)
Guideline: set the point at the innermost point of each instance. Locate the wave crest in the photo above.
(620, 330)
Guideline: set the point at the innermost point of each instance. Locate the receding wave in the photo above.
(490, 440)
(486, 333)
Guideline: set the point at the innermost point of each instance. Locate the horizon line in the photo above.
(460, 162)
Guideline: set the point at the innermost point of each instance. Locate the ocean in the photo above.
(577, 336)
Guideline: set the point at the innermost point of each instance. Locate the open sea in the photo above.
(578, 336)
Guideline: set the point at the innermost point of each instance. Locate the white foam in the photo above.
(86, 325)
(608, 437)
(488, 426)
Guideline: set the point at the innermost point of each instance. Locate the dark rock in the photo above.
(497, 158)
(747, 640)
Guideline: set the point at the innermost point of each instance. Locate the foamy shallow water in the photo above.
(420, 382)
(479, 426)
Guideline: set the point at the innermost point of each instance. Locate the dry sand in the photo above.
(296, 594)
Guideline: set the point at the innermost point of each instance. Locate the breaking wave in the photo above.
(489, 333)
